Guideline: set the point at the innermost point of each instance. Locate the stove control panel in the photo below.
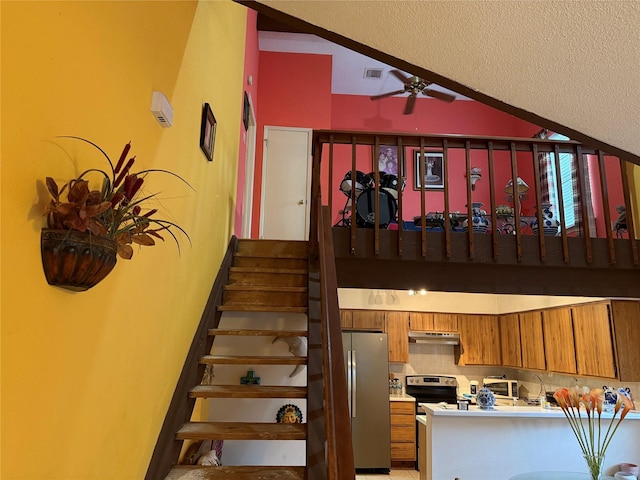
(431, 380)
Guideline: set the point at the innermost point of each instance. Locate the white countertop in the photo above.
(507, 411)
(401, 398)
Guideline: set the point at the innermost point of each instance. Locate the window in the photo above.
(566, 174)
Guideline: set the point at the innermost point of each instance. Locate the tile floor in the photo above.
(396, 474)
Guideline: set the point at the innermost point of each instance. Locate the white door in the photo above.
(286, 179)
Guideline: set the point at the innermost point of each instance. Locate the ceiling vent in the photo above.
(373, 73)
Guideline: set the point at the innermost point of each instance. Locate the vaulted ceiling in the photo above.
(570, 66)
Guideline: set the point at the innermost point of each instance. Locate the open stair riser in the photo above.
(267, 283)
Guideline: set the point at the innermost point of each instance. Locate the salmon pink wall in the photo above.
(294, 91)
(251, 57)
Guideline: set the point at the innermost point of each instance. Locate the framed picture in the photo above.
(388, 159)
(433, 171)
(245, 111)
(208, 132)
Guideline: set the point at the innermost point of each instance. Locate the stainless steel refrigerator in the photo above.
(366, 357)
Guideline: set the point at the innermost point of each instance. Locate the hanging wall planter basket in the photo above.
(76, 260)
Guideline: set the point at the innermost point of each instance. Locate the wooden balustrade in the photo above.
(445, 199)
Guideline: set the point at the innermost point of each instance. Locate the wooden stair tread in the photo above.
(291, 271)
(264, 288)
(248, 391)
(269, 255)
(252, 360)
(258, 333)
(261, 308)
(242, 431)
(226, 472)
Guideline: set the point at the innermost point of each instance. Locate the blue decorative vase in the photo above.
(549, 224)
(611, 396)
(478, 219)
(485, 399)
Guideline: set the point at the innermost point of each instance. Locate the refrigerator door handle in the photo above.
(354, 391)
(349, 383)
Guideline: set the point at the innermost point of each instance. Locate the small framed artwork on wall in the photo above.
(207, 132)
(433, 170)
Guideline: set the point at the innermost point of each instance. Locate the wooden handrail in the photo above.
(340, 464)
(167, 449)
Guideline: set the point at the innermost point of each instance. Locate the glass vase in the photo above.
(594, 463)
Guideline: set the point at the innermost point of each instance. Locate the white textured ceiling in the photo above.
(575, 63)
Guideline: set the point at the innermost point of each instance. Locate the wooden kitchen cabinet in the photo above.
(510, 340)
(433, 322)
(626, 330)
(403, 432)
(532, 340)
(397, 328)
(479, 340)
(420, 321)
(593, 340)
(346, 319)
(362, 320)
(557, 327)
(445, 322)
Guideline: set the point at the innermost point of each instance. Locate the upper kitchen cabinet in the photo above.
(510, 340)
(421, 322)
(532, 340)
(362, 320)
(433, 322)
(626, 326)
(479, 340)
(593, 340)
(557, 326)
(398, 336)
(445, 322)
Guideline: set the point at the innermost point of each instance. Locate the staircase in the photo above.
(267, 292)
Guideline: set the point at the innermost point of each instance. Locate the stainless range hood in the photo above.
(434, 338)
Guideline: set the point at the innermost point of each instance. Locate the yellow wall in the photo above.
(87, 377)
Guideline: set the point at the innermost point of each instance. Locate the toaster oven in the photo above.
(502, 387)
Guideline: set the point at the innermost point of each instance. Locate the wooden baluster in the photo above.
(401, 181)
(538, 193)
(470, 232)
(516, 202)
(446, 215)
(604, 188)
(330, 186)
(423, 209)
(353, 195)
(629, 211)
(376, 191)
(563, 223)
(492, 200)
(583, 201)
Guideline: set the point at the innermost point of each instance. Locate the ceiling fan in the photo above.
(414, 86)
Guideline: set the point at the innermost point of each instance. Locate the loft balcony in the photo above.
(392, 230)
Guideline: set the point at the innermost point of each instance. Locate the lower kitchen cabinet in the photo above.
(403, 433)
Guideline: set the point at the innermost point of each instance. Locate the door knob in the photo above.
(300, 202)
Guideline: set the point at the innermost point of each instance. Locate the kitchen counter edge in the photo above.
(435, 409)
(401, 398)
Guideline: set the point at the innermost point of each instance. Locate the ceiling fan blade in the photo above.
(400, 76)
(439, 95)
(388, 94)
(411, 102)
